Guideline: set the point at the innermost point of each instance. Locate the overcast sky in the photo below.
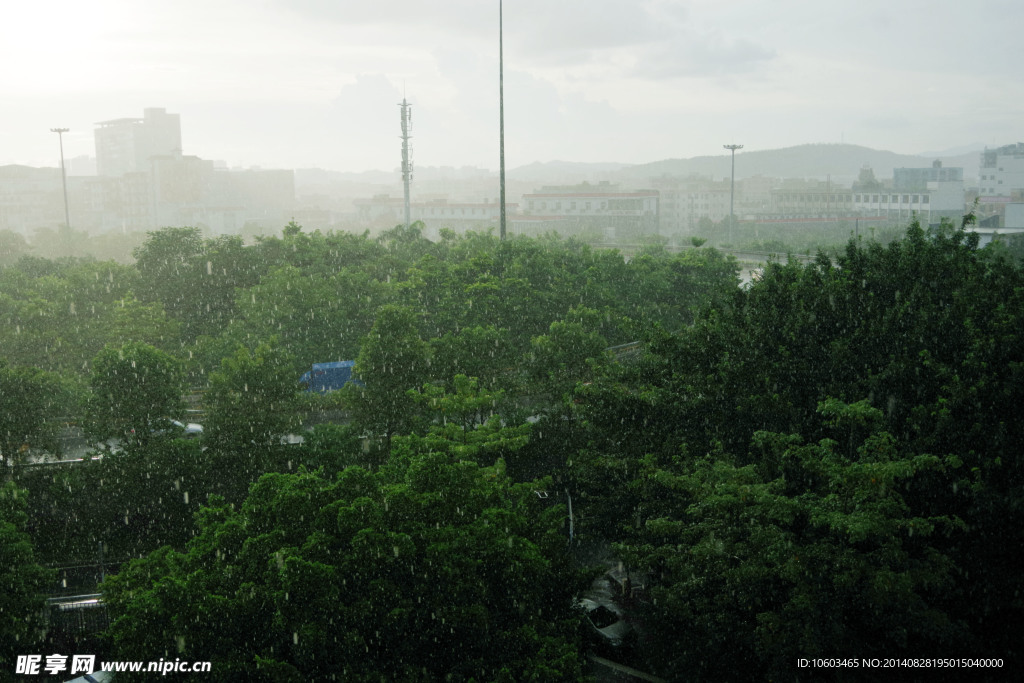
(315, 83)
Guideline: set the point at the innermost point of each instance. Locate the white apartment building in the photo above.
(1001, 172)
(602, 207)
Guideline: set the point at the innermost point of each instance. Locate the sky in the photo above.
(316, 83)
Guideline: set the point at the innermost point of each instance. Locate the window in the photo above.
(572, 205)
(925, 199)
(914, 199)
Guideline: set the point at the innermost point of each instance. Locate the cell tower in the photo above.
(406, 154)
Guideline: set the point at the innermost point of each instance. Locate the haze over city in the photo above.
(311, 83)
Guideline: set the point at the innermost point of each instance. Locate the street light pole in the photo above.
(732, 188)
(63, 175)
(501, 118)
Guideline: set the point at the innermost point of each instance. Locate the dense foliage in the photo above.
(23, 581)
(827, 464)
(136, 392)
(824, 463)
(435, 568)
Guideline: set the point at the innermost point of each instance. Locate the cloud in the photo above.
(697, 56)
(427, 17)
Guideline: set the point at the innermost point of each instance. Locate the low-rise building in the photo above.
(601, 208)
(385, 211)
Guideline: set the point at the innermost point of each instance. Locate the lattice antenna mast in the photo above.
(406, 155)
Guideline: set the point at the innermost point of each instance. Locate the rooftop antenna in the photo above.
(406, 157)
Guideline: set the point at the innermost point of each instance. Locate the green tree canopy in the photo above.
(431, 569)
(911, 351)
(22, 600)
(252, 399)
(810, 552)
(136, 389)
(392, 361)
(31, 402)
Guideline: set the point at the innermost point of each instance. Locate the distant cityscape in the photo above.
(141, 180)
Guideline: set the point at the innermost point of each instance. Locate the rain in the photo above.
(715, 381)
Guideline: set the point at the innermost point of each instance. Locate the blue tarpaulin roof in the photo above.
(326, 377)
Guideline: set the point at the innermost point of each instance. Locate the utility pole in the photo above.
(406, 162)
(501, 117)
(63, 174)
(732, 189)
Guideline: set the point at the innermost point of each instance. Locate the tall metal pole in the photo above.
(63, 175)
(406, 166)
(501, 116)
(732, 188)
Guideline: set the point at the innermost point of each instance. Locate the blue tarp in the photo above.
(325, 377)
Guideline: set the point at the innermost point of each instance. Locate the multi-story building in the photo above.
(931, 193)
(683, 202)
(917, 179)
(1001, 172)
(601, 208)
(127, 145)
(799, 198)
(145, 182)
(30, 198)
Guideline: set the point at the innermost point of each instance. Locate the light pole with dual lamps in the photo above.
(732, 189)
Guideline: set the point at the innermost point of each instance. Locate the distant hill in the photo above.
(565, 171)
(840, 161)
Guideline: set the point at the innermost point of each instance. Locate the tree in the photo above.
(562, 357)
(164, 260)
(927, 329)
(485, 353)
(58, 315)
(318, 317)
(195, 279)
(31, 401)
(136, 390)
(22, 600)
(121, 507)
(252, 399)
(814, 551)
(12, 247)
(465, 409)
(393, 359)
(433, 568)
